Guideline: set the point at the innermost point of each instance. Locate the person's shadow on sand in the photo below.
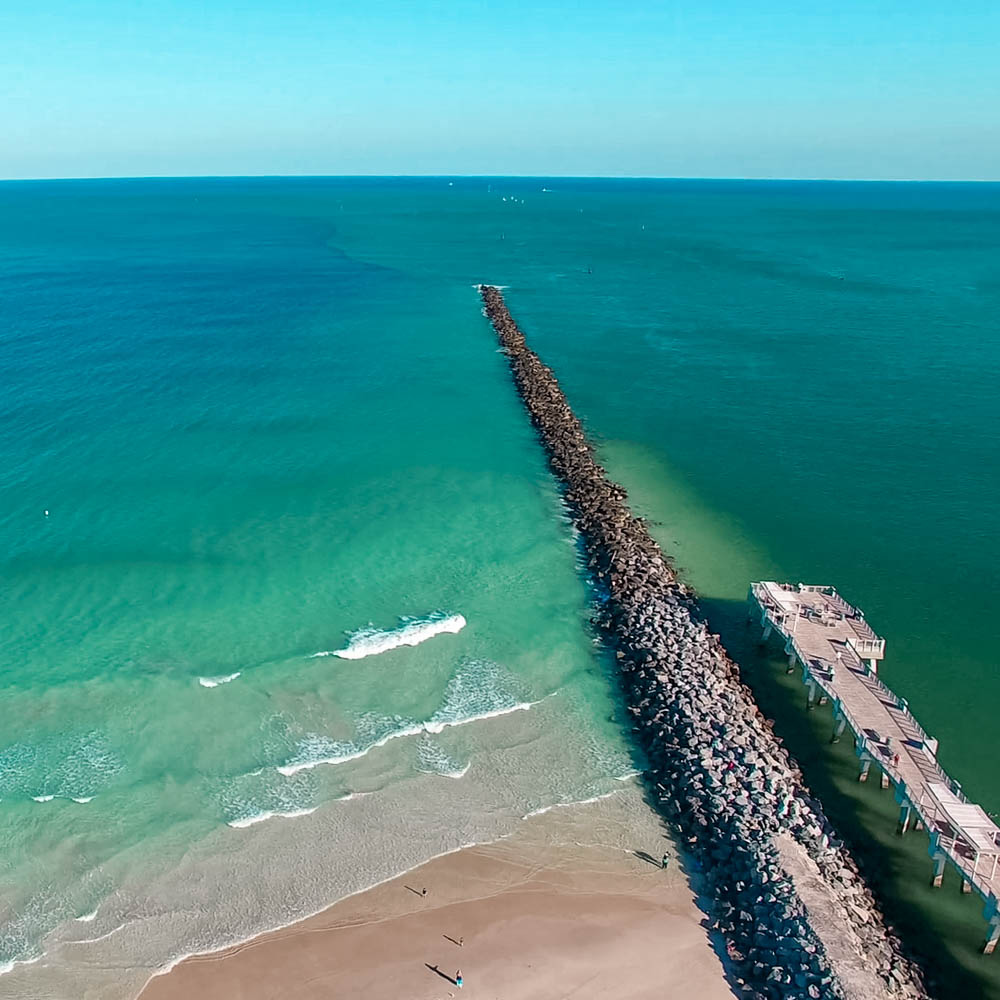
(643, 856)
(443, 975)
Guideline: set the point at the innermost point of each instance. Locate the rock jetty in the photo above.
(781, 890)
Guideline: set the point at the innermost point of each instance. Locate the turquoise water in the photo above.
(267, 420)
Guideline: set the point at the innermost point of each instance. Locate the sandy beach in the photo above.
(563, 908)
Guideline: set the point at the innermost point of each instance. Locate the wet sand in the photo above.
(563, 908)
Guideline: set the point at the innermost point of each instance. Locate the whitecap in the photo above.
(566, 805)
(437, 726)
(211, 682)
(478, 691)
(628, 775)
(372, 641)
(100, 937)
(316, 750)
(268, 814)
(6, 967)
(83, 798)
(432, 759)
(66, 765)
(87, 917)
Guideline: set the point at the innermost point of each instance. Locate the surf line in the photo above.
(720, 776)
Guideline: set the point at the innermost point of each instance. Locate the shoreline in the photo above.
(564, 903)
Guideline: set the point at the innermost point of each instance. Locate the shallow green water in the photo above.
(266, 414)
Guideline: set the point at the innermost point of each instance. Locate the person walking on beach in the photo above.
(665, 863)
(423, 892)
(458, 979)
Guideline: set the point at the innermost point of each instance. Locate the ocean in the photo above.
(291, 603)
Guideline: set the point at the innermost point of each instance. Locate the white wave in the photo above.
(66, 765)
(566, 805)
(87, 917)
(262, 816)
(440, 726)
(83, 798)
(212, 682)
(476, 692)
(372, 641)
(6, 967)
(349, 751)
(101, 937)
(432, 759)
(627, 776)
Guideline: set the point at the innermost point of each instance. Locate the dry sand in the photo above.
(560, 909)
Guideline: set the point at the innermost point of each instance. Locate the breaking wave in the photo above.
(479, 690)
(247, 799)
(433, 760)
(267, 814)
(566, 805)
(212, 682)
(372, 641)
(65, 767)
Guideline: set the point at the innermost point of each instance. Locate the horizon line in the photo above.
(563, 177)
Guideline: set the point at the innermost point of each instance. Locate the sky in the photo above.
(691, 88)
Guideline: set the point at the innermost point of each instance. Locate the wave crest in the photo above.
(372, 641)
(479, 690)
(260, 817)
(211, 682)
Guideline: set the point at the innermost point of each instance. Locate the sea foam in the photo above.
(212, 682)
(267, 814)
(434, 760)
(372, 641)
(6, 967)
(479, 690)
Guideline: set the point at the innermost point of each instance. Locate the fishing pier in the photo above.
(838, 654)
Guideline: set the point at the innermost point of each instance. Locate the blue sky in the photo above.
(759, 88)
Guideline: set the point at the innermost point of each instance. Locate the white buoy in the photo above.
(46, 513)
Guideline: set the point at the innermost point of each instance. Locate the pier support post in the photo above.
(992, 936)
(766, 634)
(810, 694)
(939, 862)
(966, 886)
(918, 824)
(885, 778)
(904, 818)
(865, 768)
(873, 665)
(838, 729)
(791, 663)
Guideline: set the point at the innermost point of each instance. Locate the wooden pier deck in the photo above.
(838, 654)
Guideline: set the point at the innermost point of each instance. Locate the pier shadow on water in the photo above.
(943, 928)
